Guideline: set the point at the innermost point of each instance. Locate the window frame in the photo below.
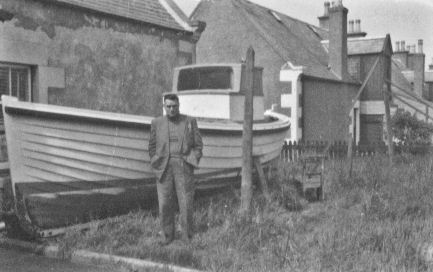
(11, 66)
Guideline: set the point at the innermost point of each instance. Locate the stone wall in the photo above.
(106, 63)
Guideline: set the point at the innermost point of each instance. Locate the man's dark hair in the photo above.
(173, 97)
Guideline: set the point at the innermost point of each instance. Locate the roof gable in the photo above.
(291, 39)
(163, 13)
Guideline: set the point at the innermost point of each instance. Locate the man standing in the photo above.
(175, 149)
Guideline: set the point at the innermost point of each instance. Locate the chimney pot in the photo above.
(351, 26)
(339, 3)
(327, 5)
(402, 45)
(420, 46)
(357, 26)
(397, 46)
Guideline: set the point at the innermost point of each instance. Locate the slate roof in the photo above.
(409, 75)
(365, 45)
(397, 76)
(291, 39)
(163, 13)
(361, 46)
(399, 63)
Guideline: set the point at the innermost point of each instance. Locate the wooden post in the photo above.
(350, 153)
(385, 92)
(247, 137)
(388, 124)
(262, 179)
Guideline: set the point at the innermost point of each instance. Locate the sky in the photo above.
(404, 20)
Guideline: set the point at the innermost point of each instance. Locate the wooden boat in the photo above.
(70, 165)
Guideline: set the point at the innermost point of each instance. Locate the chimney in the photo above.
(324, 19)
(403, 46)
(431, 65)
(338, 39)
(420, 45)
(355, 32)
(397, 46)
(351, 29)
(357, 26)
(326, 6)
(416, 62)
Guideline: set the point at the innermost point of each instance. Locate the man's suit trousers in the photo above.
(176, 185)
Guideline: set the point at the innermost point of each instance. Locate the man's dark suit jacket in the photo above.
(190, 141)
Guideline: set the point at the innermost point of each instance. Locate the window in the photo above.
(15, 81)
(203, 78)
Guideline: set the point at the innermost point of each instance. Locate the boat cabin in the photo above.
(217, 91)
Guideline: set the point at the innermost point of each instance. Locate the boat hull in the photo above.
(71, 166)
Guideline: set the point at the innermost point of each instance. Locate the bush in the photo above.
(408, 130)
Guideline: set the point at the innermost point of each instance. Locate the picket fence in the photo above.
(293, 151)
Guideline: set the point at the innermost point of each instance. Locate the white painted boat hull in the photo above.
(73, 165)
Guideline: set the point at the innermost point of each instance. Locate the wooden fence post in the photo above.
(350, 154)
(247, 137)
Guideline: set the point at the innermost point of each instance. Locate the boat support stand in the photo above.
(262, 178)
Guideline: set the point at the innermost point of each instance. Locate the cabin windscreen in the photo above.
(202, 78)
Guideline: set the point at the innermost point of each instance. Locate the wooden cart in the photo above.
(313, 166)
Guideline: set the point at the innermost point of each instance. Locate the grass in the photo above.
(378, 220)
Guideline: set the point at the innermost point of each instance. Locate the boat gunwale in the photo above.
(12, 106)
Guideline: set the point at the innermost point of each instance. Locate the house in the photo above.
(363, 52)
(112, 55)
(412, 85)
(300, 78)
(412, 64)
(428, 78)
(311, 73)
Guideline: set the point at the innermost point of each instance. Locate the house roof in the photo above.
(398, 78)
(409, 75)
(362, 46)
(163, 13)
(399, 63)
(292, 40)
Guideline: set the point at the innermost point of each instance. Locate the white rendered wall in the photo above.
(355, 119)
(372, 107)
(290, 73)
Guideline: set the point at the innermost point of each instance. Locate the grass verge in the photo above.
(380, 219)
